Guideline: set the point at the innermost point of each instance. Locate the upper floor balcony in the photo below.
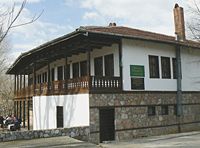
(77, 85)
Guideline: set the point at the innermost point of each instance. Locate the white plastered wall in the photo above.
(75, 111)
(190, 63)
(135, 52)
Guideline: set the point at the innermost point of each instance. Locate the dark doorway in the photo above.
(59, 111)
(107, 126)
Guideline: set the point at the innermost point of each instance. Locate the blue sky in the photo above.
(63, 16)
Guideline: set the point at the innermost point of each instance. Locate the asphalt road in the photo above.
(183, 140)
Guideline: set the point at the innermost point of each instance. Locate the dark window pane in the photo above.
(151, 110)
(153, 66)
(109, 65)
(137, 83)
(83, 68)
(174, 68)
(75, 67)
(164, 110)
(52, 74)
(98, 66)
(165, 65)
(67, 72)
(60, 73)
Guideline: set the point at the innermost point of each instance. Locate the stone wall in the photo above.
(81, 133)
(131, 113)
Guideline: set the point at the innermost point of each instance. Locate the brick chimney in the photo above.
(112, 25)
(179, 23)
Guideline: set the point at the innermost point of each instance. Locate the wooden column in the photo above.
(15, 85)
(88, 68)
(20, 110)
(34, 79)
(65, 76)
(24, 113)
(17, 109)
(120, 64)
(28, 115)
(49, 78)
(20, 82)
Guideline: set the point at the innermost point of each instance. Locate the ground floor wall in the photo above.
(133, 115)
(74, 111)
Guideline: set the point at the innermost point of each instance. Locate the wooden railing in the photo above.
(100, 83)
(76, 85)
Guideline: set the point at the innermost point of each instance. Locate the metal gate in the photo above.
(107, 126)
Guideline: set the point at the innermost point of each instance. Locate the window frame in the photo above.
(154, 67)
(164, 110)
(165, 67)
(153, 112)
(98, 66)
(109, 65)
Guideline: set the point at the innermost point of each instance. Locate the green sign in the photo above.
(137, 70)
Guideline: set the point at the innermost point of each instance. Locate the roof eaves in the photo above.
(45, 45)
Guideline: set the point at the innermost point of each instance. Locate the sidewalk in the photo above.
(183, 140)
(55, 142)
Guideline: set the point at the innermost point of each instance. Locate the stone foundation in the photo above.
(81, 133)
(131, 114)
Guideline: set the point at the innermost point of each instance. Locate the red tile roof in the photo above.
(136, 33)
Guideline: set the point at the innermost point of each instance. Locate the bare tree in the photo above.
(194, 20)
(8, 21)
(9, 17)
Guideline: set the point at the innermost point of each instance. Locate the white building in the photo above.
(120, 82)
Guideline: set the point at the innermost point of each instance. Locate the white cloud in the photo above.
(90, 15)
(154, 15)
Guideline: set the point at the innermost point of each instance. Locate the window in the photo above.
(60, 73)
(174, 68)
(165, 65)
(151, 110)
(164, 110)
(153, 66)
(75, 68)
(83, 68)
(98, 66)
(137, 83)
(109, 65)
(52, 74)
